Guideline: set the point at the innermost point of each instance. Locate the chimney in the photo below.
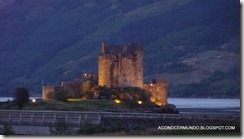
(103, 47)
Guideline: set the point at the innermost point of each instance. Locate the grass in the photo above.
(89, 105)
(67, 106)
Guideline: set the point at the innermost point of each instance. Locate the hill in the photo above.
(194, 44)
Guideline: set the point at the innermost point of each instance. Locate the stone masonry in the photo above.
(120, 66)
(158, 88)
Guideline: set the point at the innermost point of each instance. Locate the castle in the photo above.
(118, 66)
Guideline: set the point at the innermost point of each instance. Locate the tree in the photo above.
(21, 96)
(101, 92)
(61, 95)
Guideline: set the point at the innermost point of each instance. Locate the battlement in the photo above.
(121, 49)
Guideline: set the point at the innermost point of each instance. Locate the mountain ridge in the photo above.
(51, 41)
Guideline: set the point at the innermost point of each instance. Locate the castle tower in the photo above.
(120, 66)
(158, 88)
(104, 70)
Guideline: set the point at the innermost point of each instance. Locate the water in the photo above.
(204, 106)
(4, 99)
(204, 103)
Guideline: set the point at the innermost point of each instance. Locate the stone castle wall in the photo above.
(105, 62)
(120, 66)
(46, 90)
(73, 88)
(158, 88)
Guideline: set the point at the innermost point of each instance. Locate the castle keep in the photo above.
(120, 66)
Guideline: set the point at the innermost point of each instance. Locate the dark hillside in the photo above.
(55, 40)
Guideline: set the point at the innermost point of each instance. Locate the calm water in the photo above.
(205, 106)
(204, 103)
(3, 99)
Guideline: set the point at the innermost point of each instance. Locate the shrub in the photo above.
(122, 93)
(61, 95)
(21, 96)
(101, 92)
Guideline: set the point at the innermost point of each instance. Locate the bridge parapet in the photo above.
(46, 118)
